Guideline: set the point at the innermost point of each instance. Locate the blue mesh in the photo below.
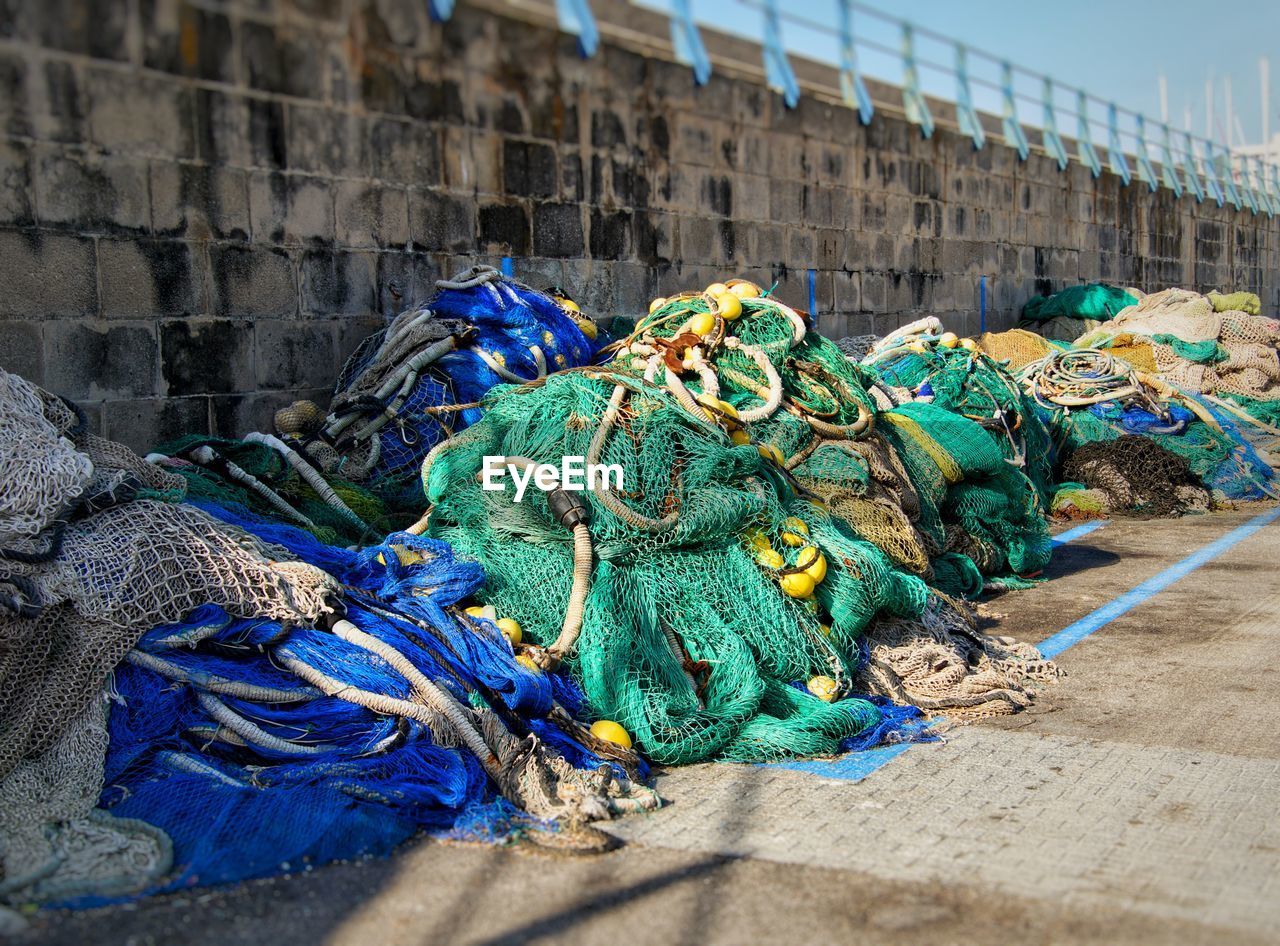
(238, 807)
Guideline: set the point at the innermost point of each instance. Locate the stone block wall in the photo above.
(206, 204)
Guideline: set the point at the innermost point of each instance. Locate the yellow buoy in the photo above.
(948, 340)
(770, 452)
(610, 731)
(656, 304)
(745, 290)
(968, 344)
(794, 531)
(719, 407)
(528, 663)
(730, 306)
(588, 328)
(797, 585)
(716, 288)
(702, 323)
(511, 628)
(739, 437)
(918, 347)
(768, 558)
(824, 688)
(813, 562)
(568, 304)
(825, 629)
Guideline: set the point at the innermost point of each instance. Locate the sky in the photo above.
(1115, 49)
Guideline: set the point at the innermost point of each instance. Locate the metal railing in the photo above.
(1154, 154)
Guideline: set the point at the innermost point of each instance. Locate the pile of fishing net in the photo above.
(1070, 313)
(1198, 343)
(350, 477)
(764, 548)
(421, 379)
(200, 695)
(923, 362)
(1086, 396)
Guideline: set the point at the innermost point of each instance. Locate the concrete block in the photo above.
(131, 113)
(557, 230)
(405, 152)
(15, 184)
(207, 357)
(22, 350)
(529, 169)
(291, 209)
(199, 201)
(186, 40)
(144, 278)
(323, 141)
(442, 221)
(47, 274)
(142, 424)
(337, 282)
(281, 58)
(91, 192)
(611, 234)
(252, 281)
(504, 229)
(100, 361)
(292, 355)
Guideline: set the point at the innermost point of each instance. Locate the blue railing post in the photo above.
(1115, 153)
(1146, 170)
(440, 10)
(687, 41)
(1052, 140)
(1084, 136)
(967, 117)
(1190, 175)
(575, 17)
(913, 102)
(851, 84)
(1168, 169)
(1013, 134)
(1212, 184)
(777, 68)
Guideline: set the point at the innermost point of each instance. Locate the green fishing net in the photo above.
(216, 482)
(750, 448)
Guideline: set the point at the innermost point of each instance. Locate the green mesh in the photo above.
(740, 639)
(689, 638)
(269, 467)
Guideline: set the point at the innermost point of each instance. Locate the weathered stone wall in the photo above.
(205, 205)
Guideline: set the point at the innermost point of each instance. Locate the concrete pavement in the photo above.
(1134, 803)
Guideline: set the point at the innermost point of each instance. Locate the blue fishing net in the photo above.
(250, 771)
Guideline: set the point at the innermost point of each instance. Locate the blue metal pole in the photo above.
(508, 269)
(813, 294)
(982, 304)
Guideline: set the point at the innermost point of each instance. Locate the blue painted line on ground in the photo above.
(1074, 633)
(1071, 535)
(855, 766)
(851, 767)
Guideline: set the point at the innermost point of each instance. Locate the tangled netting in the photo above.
(1129, 474)
(272, 700)
(419, 380)
(1193, 342)
(704, 600)
(1084, 395)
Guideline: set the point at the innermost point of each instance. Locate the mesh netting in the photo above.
(416, 382)
(252, 726)
(1135, 474)
(763, 523)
